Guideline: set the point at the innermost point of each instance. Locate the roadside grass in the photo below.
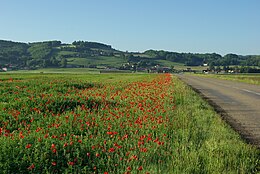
(246, 78)
(115, 123)
(204, 140)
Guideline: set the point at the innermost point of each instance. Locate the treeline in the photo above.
(13, 52)
(33, 55)
(82, 49)
(233, 69)
(191, 59)
(85, 44)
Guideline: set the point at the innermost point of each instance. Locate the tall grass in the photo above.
(204, 142)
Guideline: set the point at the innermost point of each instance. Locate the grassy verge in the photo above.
(114, 123)
(245, 78)
(205, 141)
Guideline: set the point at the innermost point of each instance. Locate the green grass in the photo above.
(245, 78)
(66, 53)
(116, 123)
(56, 70)
(100, 60)
(206, 141)
(95, 77)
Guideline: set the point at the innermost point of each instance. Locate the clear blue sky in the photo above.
(221, 26)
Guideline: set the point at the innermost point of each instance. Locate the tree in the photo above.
(231, 59)
(218, 69)
(54, 62)
(211, 66)
(63, 63)
(172, 68)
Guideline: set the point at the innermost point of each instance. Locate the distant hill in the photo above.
(92, 54)
(13, 52)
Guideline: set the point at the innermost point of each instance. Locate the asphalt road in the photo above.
(238, 103)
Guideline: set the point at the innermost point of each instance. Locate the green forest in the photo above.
(50, 54)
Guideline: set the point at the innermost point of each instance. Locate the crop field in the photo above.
(114, 123)
(246, 78)
(55, 71)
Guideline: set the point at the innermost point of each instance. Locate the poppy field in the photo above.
(113, 123)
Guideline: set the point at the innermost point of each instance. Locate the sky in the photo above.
(196, 26)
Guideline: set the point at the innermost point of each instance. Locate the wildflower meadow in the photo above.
(113, 124)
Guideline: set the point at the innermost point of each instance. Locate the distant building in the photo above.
(6, 69)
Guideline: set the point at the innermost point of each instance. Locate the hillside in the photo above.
(13, 52)
(97, 55)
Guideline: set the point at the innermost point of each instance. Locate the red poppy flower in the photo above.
(140, 168)
(111, 149)
(28, 146)
(53, 146)
(71, 163)
(31, 167)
